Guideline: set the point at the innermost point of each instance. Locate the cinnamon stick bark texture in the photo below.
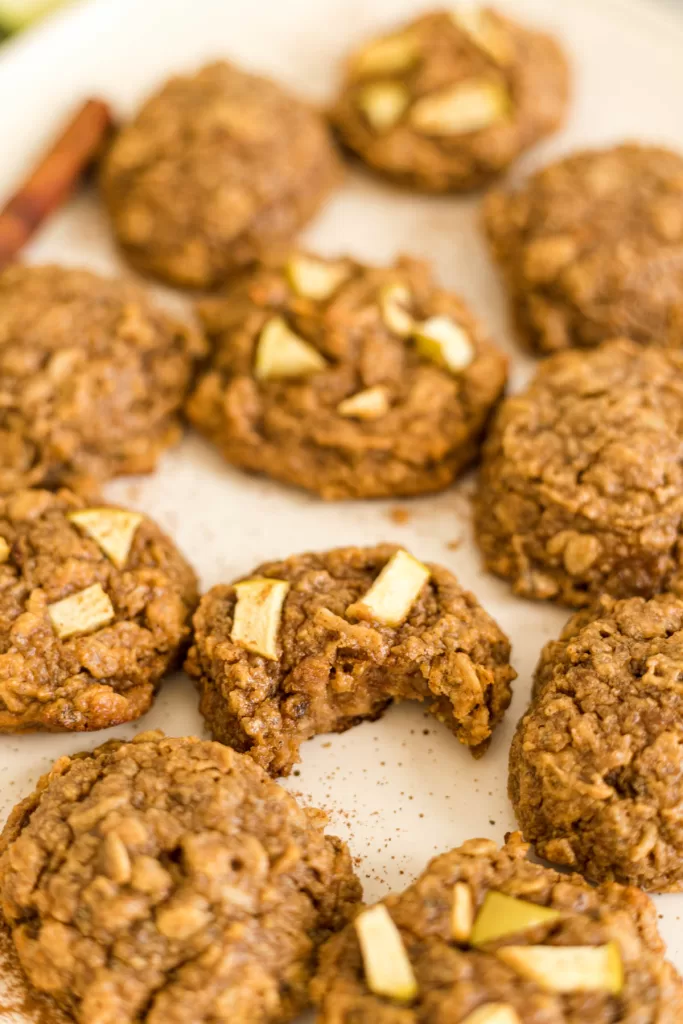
(55, 177)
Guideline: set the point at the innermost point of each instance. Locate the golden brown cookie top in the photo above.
(592, 247)
(91, 377)
(95, 603)
(346, 379)
(483, 929)
(170, 880)
(318, 642)
(452, 98)
(214, 165)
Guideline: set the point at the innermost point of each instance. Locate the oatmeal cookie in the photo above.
(350, 381)
(450, 100)
(591, 248)
(595, 767)
(581, 487)
(95, 607)
(92, 376)
(347, 632)
(486, 937)
(214, 166)
(170, 880)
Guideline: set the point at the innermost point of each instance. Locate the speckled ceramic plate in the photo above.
(402, 789)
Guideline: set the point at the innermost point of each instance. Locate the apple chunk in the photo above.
(502, 915)
(462, 915)
(469, 106)
(388, 55)
(393, 593)
(83, 612)
(315, 279)
(568, 968)
(282, 353)
(388, 970)
(112, 529)
(371, 404)
(393, 302)
(258, 611)
(383, 104)
(444, 342)
(493, 1013)
(487, 34)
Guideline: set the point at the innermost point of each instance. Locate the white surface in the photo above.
(402, 789)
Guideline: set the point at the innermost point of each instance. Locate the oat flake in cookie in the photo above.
(169, 880)
(595, 767)
(486, 937)
(212, 168)
(581, 485)
(350, 381)
(95, 606)
(592, 248)
(319, 642)
(452, 99)
(92, 376)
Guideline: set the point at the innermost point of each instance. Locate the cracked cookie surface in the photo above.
(595, 766)
(591, 248)
(455, 980)
(213, 167)
(445, 104)
(297, 429)
(84, 642)
(581, 484)
(168, 880)
(92, 376)
(332, 671)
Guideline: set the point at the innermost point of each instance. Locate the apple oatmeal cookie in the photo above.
(450, 100)
(95, 607)
(484, 936)
(164, 881)
(347, 380)
(319, 642)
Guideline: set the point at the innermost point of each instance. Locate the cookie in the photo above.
(486, 937)
(215, 165)
(95, 607)
(451, 100)
(595, 774)
(581, 485)
(592, 248)
(347, 380)
(168, 880)
(319, 642)
(92, 376)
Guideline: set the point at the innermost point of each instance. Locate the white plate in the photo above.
(402, 789)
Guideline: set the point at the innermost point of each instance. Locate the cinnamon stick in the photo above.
(55, 177)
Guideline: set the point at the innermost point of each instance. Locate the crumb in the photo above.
(400, 515)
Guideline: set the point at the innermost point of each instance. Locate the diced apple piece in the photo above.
(17, 14)
(256, 621)
(112, 529)
(371, 404)
(485, 32)
(469, 106)
(316, 279)
(383, 104)
(387, 56)
(568, 968)
(502, 915)
(444, 342)
(84, 612)
(393, 302)
(4, 550)
(493, 1013)
(282, 353)
(388, 970)
(393, 593)
(462, 916)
